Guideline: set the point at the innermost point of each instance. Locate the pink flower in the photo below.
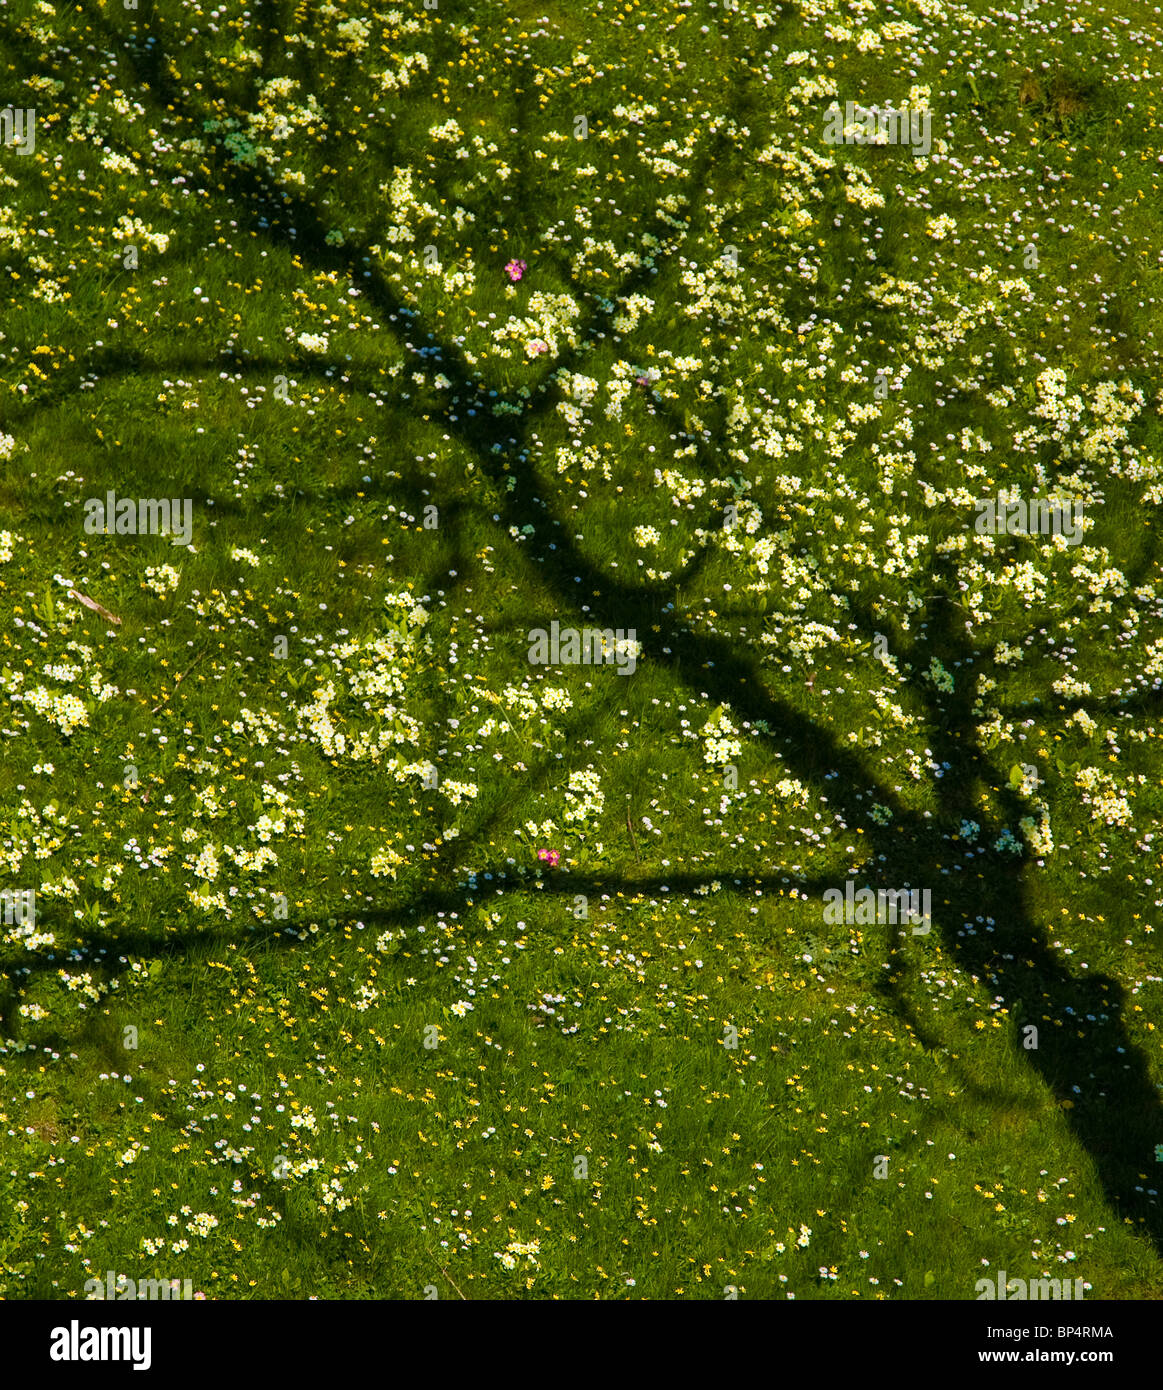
(515, 269)
(551, 856)
(536, 346)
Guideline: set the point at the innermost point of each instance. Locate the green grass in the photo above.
(382, 1047)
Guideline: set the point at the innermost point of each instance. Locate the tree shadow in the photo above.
(1097, 1074)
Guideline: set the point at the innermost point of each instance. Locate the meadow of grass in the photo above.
(370, 958)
